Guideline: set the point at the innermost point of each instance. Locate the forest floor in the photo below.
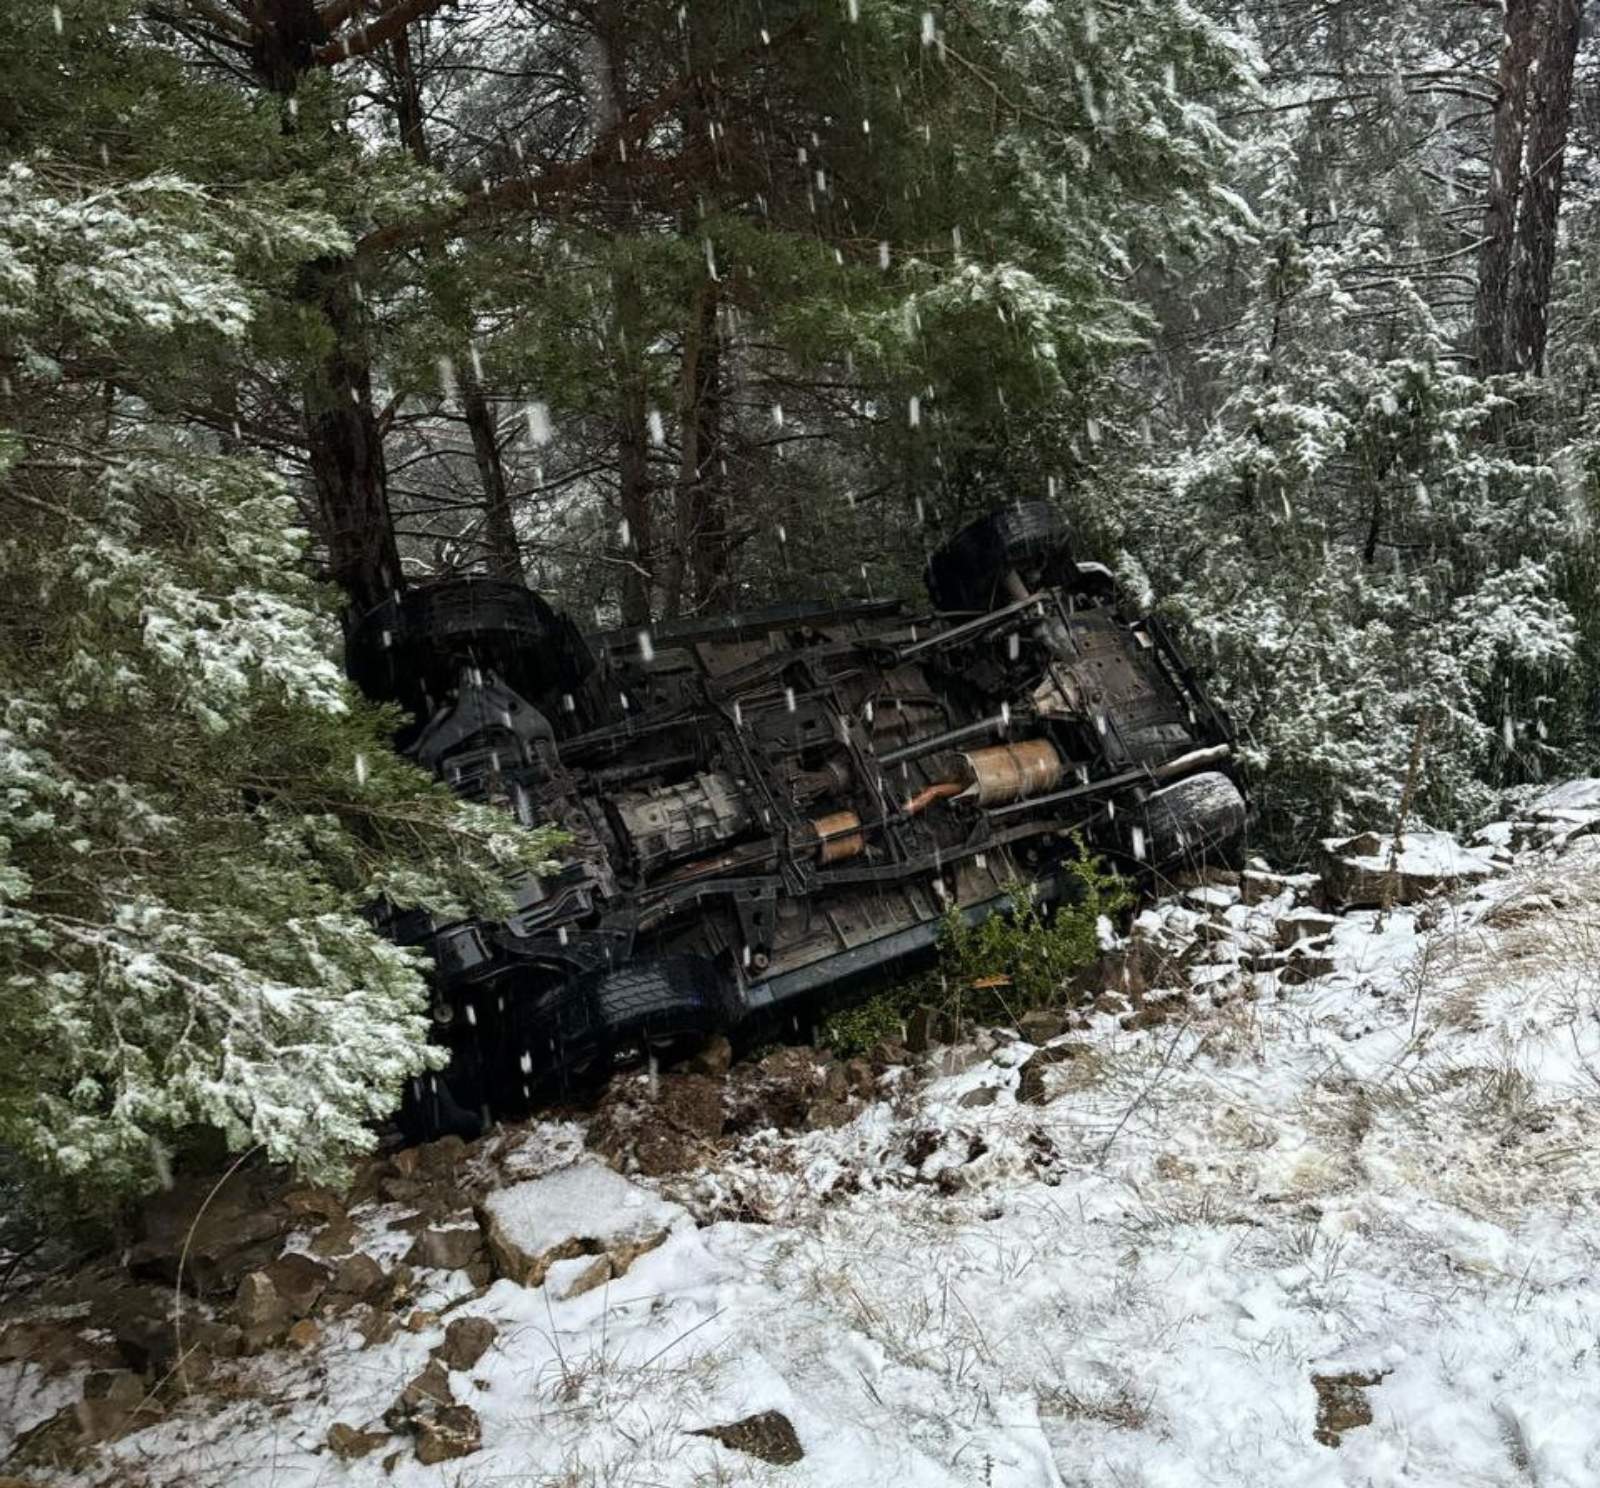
(1337, 1228)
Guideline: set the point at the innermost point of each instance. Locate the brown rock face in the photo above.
(465, 1342)
(262, 1315)
(359, 1277)
(346, 1443)
(447, 1250)
(1032, 1088)
(427, 1392)
(715, 1059)
(299, 1280)
(447, 1434)
(769, 1436)
(114, 1401)
(1039, 1027)
(1342, 1404)
(236, 1229)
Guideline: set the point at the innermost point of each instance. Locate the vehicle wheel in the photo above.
(966, 572)
(573, 1036)
(1195, 820)
(408, 649)
(659, 1002)
(429, 1110)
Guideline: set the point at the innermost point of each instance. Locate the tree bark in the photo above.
(344, 444)
(634, 496)
(1505, 185)
(408, 99)
(695, 560)
(500, 531)
(1549, 112)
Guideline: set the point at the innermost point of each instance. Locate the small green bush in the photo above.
(999, 968)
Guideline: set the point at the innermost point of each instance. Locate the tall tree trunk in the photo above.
(408, 99)
(633, 469)
(500, 531)
(635, 498)
(708, 496)
(695, 564)
(1549, 111)
(1505, 185)
(344, 444)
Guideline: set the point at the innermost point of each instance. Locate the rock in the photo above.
(305, 1335)
(346, 1443)
(770, 1435)
(1302, 969)
(567, 1279)
(1040, 1026)
(980, 1095)
(114, 1401)
(465, 1342)
(957, 1059)
(447, 1434)
(1210, 899)
(452, 1249)
(1342, 1404)
(359, 1278)
(262, 1315)
(886, 1053)
(313, 1202)
(1256, 886)
(714, 1059)
(1127, 970)
(1205, 876)
(377, 1326)
(56, 1347)
(828, 1115)
(421, 1321)
(1303, 924)
(336, 1238)
(858, 1074)
(1364, 870)
(585, 1209)
(299, 1280)
(427, 1391)
(1031, 1083)
(433, 1160)
(920, 1029)
(220, 1231)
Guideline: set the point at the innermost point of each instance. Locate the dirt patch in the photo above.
(769, 1436)
(1342, 1403)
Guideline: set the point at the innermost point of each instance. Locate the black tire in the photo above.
(1194, 821)
(574, 1035)
(965, 573)
(661, 1000)
(429, 1110)
(408, 649)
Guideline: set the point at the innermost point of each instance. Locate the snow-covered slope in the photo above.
(1336, 1233)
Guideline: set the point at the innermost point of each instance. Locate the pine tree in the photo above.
(194, 810)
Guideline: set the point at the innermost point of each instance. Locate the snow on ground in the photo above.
(1391, 1172)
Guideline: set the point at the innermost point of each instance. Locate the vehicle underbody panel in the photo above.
(789, 798)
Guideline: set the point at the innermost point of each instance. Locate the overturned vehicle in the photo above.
(769, 806)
